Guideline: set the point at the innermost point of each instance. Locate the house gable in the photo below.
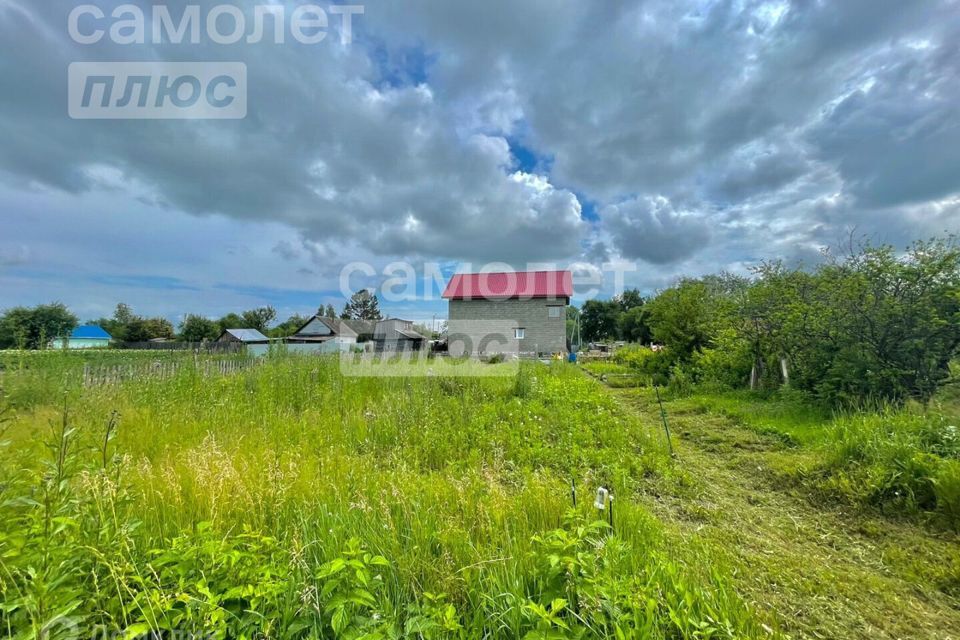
(316, 327)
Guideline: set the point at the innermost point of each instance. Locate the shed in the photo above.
(245, 336)
(394, 334)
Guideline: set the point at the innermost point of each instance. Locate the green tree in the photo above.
(327, 312)
(598, 319)
(196, 328)
(231, 321)
(629, 299)
(123, 314)
(633, 326)
(873, 325)
(363, 305)
(686, 318)
(36, 327)
(289, 326)
(259, 319)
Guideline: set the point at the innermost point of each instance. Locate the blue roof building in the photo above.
(88, 336)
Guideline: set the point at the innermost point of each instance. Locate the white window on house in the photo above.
(554, 312)
(519, 333)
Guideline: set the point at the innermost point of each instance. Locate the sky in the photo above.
(682, 137)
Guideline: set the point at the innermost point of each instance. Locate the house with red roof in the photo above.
(519, 312)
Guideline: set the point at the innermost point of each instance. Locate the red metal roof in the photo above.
(517, 284)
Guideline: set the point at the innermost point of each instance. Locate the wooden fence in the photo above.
(95, 375)
(200, 347)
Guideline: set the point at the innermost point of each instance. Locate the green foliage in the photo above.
(36, 327)
(260, 319)
(873, 326)
(633, 325)
(363, 305)
(198, 329)
(653, 365)
(688, 317)
(127, 326)
(624, 317)
(727, 364)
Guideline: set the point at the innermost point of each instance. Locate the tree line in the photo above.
(872, 324)
(37, 327)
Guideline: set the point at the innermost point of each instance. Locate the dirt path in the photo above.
(822, 572)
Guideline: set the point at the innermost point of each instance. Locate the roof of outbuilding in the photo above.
(518, 284)
(247, 335)
(90, 332)
(361, 326)
(336, 325)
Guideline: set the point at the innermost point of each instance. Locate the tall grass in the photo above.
(903, 460)
(289, 501)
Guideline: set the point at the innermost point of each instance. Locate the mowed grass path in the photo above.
(822, 570)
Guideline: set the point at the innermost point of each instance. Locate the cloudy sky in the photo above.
(687, 137)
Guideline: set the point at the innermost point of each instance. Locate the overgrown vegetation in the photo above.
(289, 501)
(873, 326)
(901, 461)
(844, 358)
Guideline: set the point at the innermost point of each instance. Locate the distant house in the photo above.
(245, 336)
(363, 328)
(319, 330)
(519, 312)
(394, 334)
(89, 336)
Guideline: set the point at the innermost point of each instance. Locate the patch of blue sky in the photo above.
(400, 67)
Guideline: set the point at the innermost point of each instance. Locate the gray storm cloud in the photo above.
(705, 134)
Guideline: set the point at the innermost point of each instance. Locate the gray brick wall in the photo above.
(480, 318)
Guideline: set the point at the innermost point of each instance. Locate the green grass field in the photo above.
(289, 501)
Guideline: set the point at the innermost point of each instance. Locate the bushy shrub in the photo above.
(725, 366)
(646, 361)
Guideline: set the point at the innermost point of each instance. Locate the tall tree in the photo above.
(123, 314)
(598, 319)
(231, 321)
(259, 319)
(198, 329)
(328, 311)
(633, 326)
(363, 305)
(630, 299)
